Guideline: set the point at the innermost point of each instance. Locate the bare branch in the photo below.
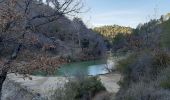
(17, 17)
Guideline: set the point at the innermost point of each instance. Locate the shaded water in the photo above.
(94, 68)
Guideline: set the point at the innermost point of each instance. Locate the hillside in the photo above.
(112, 30)
(165, 41)
(38, 36)
(146, 69)
(72, 35)
(69, 39)
(46, 53)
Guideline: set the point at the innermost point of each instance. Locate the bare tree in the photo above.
(77, 28)
(19, 17)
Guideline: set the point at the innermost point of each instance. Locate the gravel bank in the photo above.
(18, 88)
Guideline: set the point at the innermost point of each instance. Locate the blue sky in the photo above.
(123, 12)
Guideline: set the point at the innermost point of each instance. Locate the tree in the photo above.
(21, 17)
(77, 28)
(111, 31)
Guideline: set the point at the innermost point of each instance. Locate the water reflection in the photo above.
(88, 68)
(97, 69)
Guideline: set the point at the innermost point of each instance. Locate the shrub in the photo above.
(163, 79)
(146, 77)
(144, 91)
(144, 66)
(123, 65)
(161, 60)
(165, 84)
(87, 87)
(80, 89)
(104, 96)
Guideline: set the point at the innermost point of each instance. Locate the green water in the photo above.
(88, 68)
(94, 68)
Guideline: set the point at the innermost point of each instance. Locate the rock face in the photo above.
(13, 91)
(39, 88)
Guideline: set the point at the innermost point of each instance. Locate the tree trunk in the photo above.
(3, 76)
(5, 68)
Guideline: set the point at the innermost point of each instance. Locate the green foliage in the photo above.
(149, 68)
(144, 91)
(118, 38)
(104, 96)
(123, 65)
(165, 36)
(80, 89)
(165, 84)
(88, 86)
(146, 71)
(111, 31)
(144, 65)
(164, 79)
(161, 60)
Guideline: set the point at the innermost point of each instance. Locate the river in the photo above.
(93, 67)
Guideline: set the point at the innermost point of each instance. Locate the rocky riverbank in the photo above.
(27, 89)
(110, 82)
(18, 88)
